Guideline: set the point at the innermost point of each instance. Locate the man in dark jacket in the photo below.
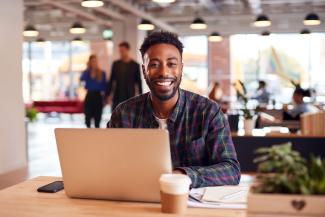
(125, 80)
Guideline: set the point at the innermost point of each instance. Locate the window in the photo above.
(195, 71)
(277, 59)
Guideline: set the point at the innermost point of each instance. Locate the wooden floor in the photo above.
(42, 153)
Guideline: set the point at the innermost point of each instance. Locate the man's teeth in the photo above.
(165, 83)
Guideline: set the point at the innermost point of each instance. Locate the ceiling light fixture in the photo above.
(30, 31)
(164, 1)
(262, 21)
(77, 28)
(40, 41)
(198, 23)
(77, 41)
(265, 33)
(304, 32)
(92, 3)
(145, 25)
(312, 19)
(215, 37)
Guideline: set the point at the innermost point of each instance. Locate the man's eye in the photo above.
(172, 64)
(153, 65)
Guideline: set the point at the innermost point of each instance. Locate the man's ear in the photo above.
(143, 71)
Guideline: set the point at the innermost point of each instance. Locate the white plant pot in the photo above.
(249, 125)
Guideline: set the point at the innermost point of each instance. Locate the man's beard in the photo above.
(164, 96)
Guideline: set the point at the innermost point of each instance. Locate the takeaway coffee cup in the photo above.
(174, 190)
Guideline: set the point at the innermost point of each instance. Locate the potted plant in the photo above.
(247, 114)
(31, 114)
(287, 184)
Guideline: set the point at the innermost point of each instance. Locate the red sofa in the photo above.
(59, 106)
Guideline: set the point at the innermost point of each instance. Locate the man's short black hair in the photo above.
(161, 37)
(124, 44)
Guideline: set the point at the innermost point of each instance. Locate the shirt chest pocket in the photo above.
(197, 151)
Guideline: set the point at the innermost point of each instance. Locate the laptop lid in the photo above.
(116, 164)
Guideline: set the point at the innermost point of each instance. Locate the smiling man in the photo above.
(200, 140)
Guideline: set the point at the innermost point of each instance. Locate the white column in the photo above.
(127, 31)
(13, 160)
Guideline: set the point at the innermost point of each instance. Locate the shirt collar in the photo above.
(177, 110)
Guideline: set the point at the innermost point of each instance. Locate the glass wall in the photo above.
(51, 70)
(279, 59)
(195, 72)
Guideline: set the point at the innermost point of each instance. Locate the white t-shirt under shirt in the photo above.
(162, 123)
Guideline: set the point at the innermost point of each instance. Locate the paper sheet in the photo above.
(195, 200)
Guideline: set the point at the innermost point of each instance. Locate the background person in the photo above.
(125, 80)
(94, 80)
(262, 95)
(299, 106)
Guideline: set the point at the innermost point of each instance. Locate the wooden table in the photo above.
(23, 200)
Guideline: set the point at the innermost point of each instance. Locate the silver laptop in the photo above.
(114, 164)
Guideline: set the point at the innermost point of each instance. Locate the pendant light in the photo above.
(40, 41)
(92, 3)
(77, 41)
(198, 23)
(312, 19)
(30, 31)
(304, 32)
(215, 37)
(145, 25)
(77, 28)
(262, 21)
(164, 1)
(265, 33)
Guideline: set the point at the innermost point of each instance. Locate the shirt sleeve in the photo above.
(224, 168)
(121, 117)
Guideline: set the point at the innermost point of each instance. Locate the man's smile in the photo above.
(164, 84)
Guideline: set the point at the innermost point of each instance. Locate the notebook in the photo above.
(226, 194)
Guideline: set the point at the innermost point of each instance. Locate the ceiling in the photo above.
(53, 18)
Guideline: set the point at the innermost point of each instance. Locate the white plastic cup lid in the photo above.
(174, 183)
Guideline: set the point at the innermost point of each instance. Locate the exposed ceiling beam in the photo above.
(109, 12)
(78, 12)
(142, 14)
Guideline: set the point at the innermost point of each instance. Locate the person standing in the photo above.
(95, 83)
(125, 80)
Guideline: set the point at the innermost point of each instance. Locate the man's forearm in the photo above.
(224, 173)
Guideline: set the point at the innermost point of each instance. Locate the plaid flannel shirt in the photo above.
(200, 139)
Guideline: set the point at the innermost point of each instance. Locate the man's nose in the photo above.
(164, 70)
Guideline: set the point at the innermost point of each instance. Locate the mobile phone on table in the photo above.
(52, 187)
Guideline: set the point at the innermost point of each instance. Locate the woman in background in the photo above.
(94, 80)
